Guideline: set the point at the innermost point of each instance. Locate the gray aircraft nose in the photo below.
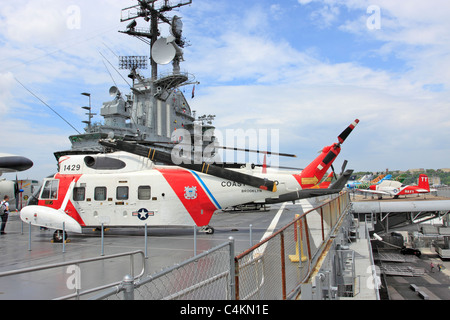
(14, 163)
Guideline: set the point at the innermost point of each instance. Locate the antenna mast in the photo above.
(148, 10)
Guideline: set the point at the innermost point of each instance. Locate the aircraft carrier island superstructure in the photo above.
(155, 107)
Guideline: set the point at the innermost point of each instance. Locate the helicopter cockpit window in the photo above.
(50, 189)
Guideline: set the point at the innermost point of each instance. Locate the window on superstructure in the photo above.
(144, 193)
(100, 194)
(50, 189)
(122, 193)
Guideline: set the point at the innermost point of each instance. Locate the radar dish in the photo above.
(163, 52)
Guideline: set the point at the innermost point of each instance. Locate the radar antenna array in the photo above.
(133, 62)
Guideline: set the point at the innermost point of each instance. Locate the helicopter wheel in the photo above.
(58, 236)
(209, 230)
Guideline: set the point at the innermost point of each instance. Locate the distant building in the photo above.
(435, 181)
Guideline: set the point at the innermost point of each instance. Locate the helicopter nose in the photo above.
(50, 218)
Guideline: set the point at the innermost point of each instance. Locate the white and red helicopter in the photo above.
(126, 188)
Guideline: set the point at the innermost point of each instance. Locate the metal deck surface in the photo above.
(166, 247)
(434, 283)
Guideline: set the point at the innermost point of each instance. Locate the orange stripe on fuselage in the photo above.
(197, 203)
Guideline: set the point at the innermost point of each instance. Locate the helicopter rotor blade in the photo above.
(258, 151)
(157, 155)
(281, 154)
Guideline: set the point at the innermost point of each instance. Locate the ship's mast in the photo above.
(155, 33)
(155, 109)
(148, 10)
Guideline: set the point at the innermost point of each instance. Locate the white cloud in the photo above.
(34, 22)
(414, 22)
(36, 140)
(244, 56)
(276, 10)
(325, 16)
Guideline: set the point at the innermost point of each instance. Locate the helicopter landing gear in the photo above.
(58, 236)
(207, 229)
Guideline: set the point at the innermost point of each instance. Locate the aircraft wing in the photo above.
(375, 191)
(336, 187)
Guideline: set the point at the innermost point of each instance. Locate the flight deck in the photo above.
(156, 249)
(165, 247)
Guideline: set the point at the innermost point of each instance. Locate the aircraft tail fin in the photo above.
(423, 182)
(340, 183)
(378, 179)
(315, 171)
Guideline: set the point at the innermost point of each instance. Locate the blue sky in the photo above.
(306, 68)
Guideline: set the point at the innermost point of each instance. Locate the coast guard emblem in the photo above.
(190, 193)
